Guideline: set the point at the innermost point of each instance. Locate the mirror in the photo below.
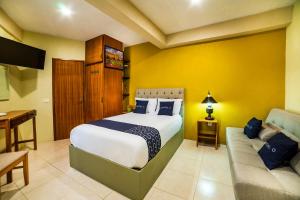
(4, 85)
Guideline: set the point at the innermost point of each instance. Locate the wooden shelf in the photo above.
(207, 137)
(207, 129)
(208, 133)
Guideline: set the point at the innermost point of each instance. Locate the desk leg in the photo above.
(16, 138)
(8, 148)
(34, 133)
(25, 170)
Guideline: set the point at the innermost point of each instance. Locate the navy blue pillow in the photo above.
(252, 128)
(140, 107)
(278, 150)
(166, 108)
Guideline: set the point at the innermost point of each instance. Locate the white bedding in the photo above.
(123, 148)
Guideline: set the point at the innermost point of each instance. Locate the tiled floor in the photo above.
(193, 173)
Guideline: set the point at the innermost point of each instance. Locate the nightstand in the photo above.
(207, 130)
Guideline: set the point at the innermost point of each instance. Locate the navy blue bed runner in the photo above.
(151, 135)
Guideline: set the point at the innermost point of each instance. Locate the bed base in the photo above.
(131, 183)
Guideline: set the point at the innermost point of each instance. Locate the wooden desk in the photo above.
(11, 121)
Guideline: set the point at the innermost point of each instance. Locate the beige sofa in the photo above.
(251, 179)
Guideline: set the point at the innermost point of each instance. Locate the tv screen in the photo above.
(113, 57)
(16, 53)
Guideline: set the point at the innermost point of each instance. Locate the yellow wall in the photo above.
(246, 75)
(293, 62)
(32, 89)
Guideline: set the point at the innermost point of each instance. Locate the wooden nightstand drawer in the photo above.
(208, 130)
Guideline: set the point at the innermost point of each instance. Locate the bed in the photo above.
(125, 167)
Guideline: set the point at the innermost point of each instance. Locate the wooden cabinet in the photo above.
(207, 130)
(112, 92)
(93, 92)
(103, 85)
(94, 50)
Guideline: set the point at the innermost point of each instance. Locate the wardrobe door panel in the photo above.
(93, 92)
(112, 92)
(94, 50)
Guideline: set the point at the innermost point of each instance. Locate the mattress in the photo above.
(123, 148)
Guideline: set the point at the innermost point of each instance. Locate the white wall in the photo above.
(292, 90)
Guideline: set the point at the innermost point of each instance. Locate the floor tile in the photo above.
(215, 166)
(116, 196)
(11, 192)
(157, 194)
(177, 183)
(185, 164)
(211, 190)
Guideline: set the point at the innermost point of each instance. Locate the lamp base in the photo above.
(209, 111)
(209, 118)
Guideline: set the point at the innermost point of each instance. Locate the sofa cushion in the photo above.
(295, 163)
(247, 159)
(242, 147)
(288, 179)
(236, 134)
(257, 183)
(252, 128)
(277, 150)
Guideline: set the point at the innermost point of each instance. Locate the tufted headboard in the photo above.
(167, 93)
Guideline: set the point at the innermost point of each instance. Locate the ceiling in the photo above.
(165, 23)
(173, 16)
(42, 16)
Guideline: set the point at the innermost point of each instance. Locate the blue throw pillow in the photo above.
(278, 150)
(253, 128)
(140, 107)
(166, 108)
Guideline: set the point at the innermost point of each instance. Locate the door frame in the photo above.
(53, 93)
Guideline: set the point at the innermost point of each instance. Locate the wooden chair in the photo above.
(9, 161)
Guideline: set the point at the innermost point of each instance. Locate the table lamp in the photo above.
(209, 100)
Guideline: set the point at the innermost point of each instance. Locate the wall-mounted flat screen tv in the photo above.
(113, 57)
(16, 53)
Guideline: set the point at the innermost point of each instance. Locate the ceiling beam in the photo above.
(127, 14)
(10, 26)
(266, 21)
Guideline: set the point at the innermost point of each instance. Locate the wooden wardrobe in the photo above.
(103, 85)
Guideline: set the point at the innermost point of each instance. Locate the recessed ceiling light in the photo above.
(195, 2)
(65, 10)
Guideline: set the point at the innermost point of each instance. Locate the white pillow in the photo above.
(152, 102)
(176, 108)
(266, 133)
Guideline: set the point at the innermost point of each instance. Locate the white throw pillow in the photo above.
(152, 102)
(266, 133)
(176, 108)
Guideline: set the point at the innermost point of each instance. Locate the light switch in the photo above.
(45, 100)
